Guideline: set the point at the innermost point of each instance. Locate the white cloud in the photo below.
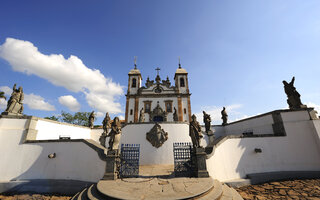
(36, 102)
(101, 92)
(6, 90)
(215, 113)
(99, 114)
(121, 117)
(3, 104)
(70, 102)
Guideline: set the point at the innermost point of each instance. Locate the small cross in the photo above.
(135, 62)
(158, 69)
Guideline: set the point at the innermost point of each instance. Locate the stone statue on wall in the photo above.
(141, 116)
(175, 115)
(105, 125)
(224, 116)
(115, 134)
(195, 132)
(91, 119)
(293, 95)
(207, 121)
(15, 105)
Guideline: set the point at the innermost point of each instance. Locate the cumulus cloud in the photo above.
(101, 92)
(70, 102)
(3, 104)
(36, 102)
(7, 91)
(215, 113)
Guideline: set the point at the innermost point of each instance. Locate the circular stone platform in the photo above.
(155, 188)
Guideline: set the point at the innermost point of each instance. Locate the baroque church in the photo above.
(158, 100)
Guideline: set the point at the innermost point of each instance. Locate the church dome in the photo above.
(181, 71)
(134, 71)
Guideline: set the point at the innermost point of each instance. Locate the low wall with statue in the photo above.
(25, 158)
(150, 155)
(297, 150)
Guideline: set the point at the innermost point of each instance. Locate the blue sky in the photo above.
(236, 52)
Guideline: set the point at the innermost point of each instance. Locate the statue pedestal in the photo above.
(200, 163)
(111, 167)
(211, 136)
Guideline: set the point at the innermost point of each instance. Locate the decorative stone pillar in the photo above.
(200, 170)
(112, 159)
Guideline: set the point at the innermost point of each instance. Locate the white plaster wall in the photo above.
(298, 151)
(95, 134)
(13, 123)
(49, 130)
(295, 116)
(149, 155)
(74, 160)
(259, 125)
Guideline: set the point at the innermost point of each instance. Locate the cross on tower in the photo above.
(135, 62)
(158, 69)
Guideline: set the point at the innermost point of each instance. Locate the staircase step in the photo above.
(83, 194)
(215, 192)
(93, 193)
(236, 195)
(75, 196)
(226, 193)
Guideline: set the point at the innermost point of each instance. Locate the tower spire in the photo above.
(135, 62)
(179, 63)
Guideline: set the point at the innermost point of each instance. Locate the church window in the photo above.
(185, 111)
(147, 106)
(168, 106)
(131, 111)
(134, 83)
(182, 82)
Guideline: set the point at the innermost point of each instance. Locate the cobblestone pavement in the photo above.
(297, 189)
(33, 197)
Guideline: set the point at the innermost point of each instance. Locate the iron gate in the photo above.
(129, 160)
(183, 163)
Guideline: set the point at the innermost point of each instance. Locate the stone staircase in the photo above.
(216, 191)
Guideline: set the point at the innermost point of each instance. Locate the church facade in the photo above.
(157, 100)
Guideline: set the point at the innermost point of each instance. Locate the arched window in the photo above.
(182, 82)
(134, 83)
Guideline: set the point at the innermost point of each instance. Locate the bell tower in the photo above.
(132, 101)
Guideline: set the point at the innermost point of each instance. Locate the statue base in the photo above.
(200, 170)
(11, 114)
(111, 167)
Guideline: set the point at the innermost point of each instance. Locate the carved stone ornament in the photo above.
(158, 114)
(157, 136)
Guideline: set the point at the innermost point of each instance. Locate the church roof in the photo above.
(181, 71)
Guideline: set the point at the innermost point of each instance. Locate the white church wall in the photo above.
(257, 125)
(298, 151)
(8, 123)
(185, 107)
(51, 130)
(74, 160)
(149, 155)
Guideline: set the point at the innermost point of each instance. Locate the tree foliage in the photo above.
(2, 95)
(53, 118)
(78, 118)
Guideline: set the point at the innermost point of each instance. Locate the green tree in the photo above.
(79, 118)
(2, 95)
(53, 118)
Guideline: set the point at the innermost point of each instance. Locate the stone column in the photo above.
(200, 170)
(111, 172)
